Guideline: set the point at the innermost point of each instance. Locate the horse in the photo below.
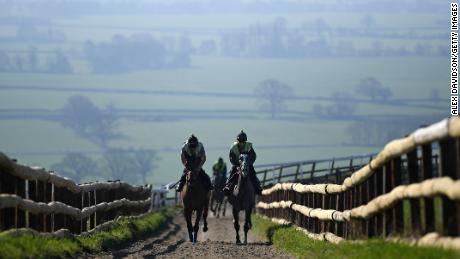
(242, 198)
(218, 196)
(194, 198)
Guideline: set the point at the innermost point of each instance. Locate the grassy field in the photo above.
(408, 77)
(124, 230)
(306, 77)
(298, 244)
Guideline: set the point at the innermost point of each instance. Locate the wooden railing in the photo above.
(407, 190)
(332, 170)
(43, 201)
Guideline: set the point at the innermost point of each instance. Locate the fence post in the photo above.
(427, 173)
(297, 173)
(331, 169)
(312, 171)
(351, 165)
(265, 178)
(370, 187)
(448, 167)
(398, 217)
(310, 204)
(345, 206)
(280, 174)
(412, 167)
(388, 214)
(338, 176)
(339, 207)
(378, 190)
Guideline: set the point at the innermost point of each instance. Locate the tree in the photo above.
(121, 166)
(344, 105)
(130, 164)
(33, 59)
(373, 89)
(137, 52)
(59, 63)
(90, 122)
(274, 94)
(144, 162)
(318, 110)
(368, 20)
(5, 62)
(77, 167)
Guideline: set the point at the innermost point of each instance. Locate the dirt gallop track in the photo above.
(218, 242)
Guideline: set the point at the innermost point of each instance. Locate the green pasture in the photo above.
(123, 232)
(298, 244)
(217, 136)
(407, 77)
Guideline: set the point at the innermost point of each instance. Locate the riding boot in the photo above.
(181, 182)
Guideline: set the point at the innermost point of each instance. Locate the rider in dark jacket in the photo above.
(238, 148)
(193, 157)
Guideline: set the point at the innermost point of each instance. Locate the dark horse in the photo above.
(218, 195)
(242, 198)
(194, 198)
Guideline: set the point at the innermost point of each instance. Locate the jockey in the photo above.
(219, 168)
(238, 148)
(193, 157)
(219, 171)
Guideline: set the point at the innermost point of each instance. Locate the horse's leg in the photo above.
(218, 209)
(225, 207)
(247, 223)
(188, 220)
(196, 227)
(212, 203)
(205, 214)
(236, 224)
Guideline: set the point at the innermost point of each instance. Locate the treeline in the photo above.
(27, 31)
(88, 7)
(275, 39)
(130, 165)
(380, 131)
(29, 62)
(100, 126)
(140, 51)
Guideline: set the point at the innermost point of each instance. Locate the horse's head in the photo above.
(244, 165)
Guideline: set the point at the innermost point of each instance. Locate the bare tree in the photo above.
(343, 106)
(373, 89)
(90, 122)
(144, 162)
(77, 166)
(130, 164)
(274, 94)
(368, 20)
(120, 164)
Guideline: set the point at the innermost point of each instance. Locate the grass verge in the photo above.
(123, 231)
(298, 244)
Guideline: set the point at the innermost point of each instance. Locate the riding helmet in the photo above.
(192, 141)
(242, 137)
